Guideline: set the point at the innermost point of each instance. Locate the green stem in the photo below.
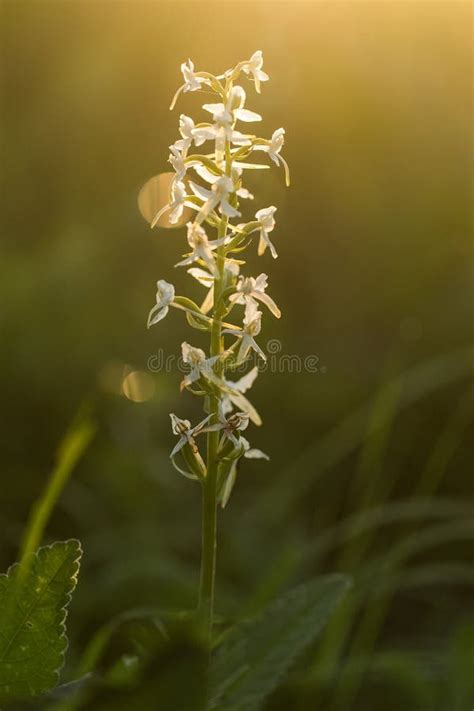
(209, 485)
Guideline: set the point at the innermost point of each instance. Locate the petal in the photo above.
(256, 454)
(208, 302)
(246, 115)
(246, 381)
(213, 108)
(159, 214)
(227, 209)
(201, 192)
(257, 348)
(201, 276)
(205, 174)
(243, 350)
(268, 301)
(160, 314)
(241, 402)
(179, 445)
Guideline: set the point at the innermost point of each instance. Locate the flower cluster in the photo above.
(211, 184)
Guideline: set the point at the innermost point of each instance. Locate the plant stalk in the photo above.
(209, 485)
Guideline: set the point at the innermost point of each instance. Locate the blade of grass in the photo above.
(446, 446)
(72, 447)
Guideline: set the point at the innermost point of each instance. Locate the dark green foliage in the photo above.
(33, 606)
(253, 659)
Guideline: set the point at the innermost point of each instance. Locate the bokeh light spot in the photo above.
(138, 386)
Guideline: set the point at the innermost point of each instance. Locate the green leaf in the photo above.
(253, 659)
(33, 599)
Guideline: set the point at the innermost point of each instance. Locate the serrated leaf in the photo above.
(252, 661)
(34, 596)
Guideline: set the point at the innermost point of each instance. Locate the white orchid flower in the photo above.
(252, 327)
(176, 158)
(164, 297)
(202, 248)
(189, 134)
(273, 148)
(186, 127)
(235, 423)
(186, 433)
(192, 81)
(176, 206)
(218, 195)
(249, 289)
(254, 67)
(211, 178)
(233, 109)
(225, 116)
(199, 364)
(266, 220)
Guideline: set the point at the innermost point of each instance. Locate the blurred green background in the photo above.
(374, 278)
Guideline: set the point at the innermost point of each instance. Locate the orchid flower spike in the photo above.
(216, 260)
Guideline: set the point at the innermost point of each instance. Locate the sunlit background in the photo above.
(374, 278)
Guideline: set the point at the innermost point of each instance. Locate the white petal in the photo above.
(208, 302)
(214, 108)
(241, 402)
(201, 276)
(256, 454)
(227, 209)
(268, 301)
(160, 314)
(246, 381)
(205, 174)
(246, 115)
(200, 191)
